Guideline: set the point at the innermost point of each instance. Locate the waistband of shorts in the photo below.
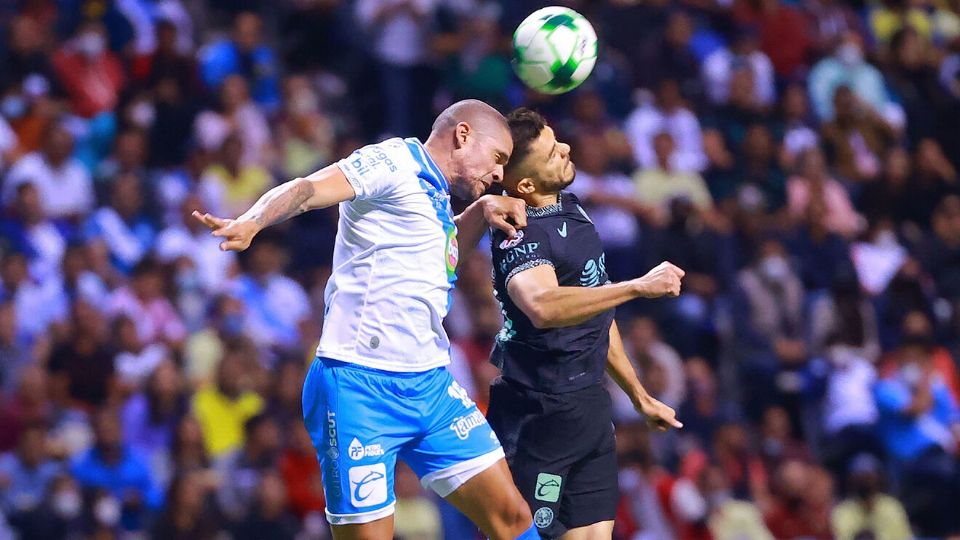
(353, 366)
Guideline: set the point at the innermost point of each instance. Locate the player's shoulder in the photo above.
(392, 153)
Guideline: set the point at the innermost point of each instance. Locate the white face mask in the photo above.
(774, 268)
(67, 504)
(143, 114)
(849, 54)
(91, 44)
(886, 239)
(107, 511)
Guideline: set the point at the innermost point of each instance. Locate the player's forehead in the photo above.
(544, 143)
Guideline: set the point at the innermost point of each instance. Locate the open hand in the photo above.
(505, 213)
(659, 415)
(237, 234)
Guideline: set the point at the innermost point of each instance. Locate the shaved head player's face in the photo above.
(547, 167)
(479, 154)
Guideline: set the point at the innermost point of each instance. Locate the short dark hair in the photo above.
(525, 126)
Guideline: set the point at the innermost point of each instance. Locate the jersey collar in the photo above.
(429, 170)
(548, 210)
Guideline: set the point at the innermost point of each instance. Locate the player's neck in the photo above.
(539, 200)
(439, 153)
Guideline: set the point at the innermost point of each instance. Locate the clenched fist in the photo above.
(663, 280)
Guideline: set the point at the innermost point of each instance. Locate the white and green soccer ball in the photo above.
(554, 50)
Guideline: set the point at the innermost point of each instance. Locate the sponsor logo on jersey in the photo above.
(543, 517)
(364, 159)
(368, 485)
(463, 425)
(510, 242)
(453, 253)
(548, 487)
(358, 450)
(593, 272)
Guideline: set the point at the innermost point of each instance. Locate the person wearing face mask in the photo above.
(769, 323)
(868, 508)
(92, 75)
(920, 429)
(25, 476)
(120, 473)
(846, 67)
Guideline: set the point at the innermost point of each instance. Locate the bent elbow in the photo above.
(541, 317)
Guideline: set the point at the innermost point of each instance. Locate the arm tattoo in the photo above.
(281, 203)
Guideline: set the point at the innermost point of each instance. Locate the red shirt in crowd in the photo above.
(93, 84)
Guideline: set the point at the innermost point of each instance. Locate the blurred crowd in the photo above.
(797, 158)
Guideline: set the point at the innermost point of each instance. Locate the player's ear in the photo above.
(461, 133)
(526, 186)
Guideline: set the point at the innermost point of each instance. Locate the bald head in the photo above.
(471, 143)
(474, 112)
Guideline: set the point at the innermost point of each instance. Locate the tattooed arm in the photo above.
(324, 188)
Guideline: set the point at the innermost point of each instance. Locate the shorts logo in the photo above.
(463, 425)
(543, 517)
(333, 452)
(368, 485)
(358, 451)
(548, 487)
(510, 242)
(458, 392)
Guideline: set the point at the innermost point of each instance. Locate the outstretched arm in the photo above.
(324, 188)
(548, 305)
(621, 370)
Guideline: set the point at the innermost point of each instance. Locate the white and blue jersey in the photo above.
(394, 262)
(379, 388)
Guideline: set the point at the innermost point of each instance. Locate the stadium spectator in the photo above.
(277, 308)
(123, 227)
(667, 113)
(64, 184)
(613, 203)
(812, 182)
(868, 511)
(188, 512)
(150, 417)
(143, 301)
(26, 475)
(117, 473)
(857, 138)
(92, 75)
(242, 471)
(235, 114)
(41, 306)
(920, 429)
(846, 66)
(247, 55)
(231, 186)
(224, 407)
(719, 66)
(301, 474)
(28, 230)
(400, 34)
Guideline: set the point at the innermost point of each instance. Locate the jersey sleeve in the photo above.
(528, 249)
(372, 170)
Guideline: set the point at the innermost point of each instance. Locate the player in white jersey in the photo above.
(379, 388)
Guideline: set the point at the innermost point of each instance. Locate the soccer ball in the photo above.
(554, 50)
